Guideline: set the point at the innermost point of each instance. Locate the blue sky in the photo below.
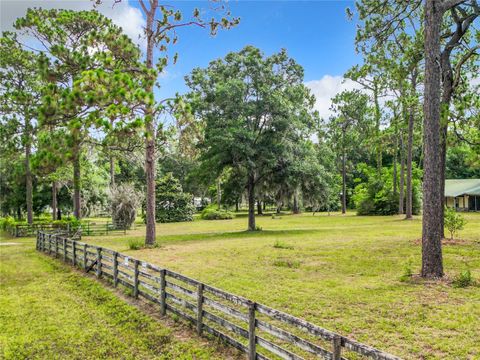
(317, 34)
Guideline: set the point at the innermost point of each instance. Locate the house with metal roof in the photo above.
(463, 194)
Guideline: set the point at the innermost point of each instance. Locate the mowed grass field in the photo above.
(49, 311)
(340, 272)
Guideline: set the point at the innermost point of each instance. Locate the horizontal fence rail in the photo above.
(255, 329)
(86, 228)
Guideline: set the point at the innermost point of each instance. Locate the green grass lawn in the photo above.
(49, 311)
(340, 272)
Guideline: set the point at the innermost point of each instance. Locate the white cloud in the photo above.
(326, 88)
(129, 18)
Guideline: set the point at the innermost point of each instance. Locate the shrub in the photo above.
(124, 203)
(463, 280)
(453, 221)
(135, 244)
(172, 204)
(211, 213)
(282, 245)
(407, 271)
(6, 222)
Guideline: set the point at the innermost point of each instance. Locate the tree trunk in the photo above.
(296, 209)
(411, 119)
(54, 200)
(401, 192)
(219, 194)
(251, 202)
(344, 174)
(378, 140)
(112, 172)
(28, 179)
(76, 183)
(395, 175)
(236, 205)
(432, 262)
(150, 135)
(259, 208)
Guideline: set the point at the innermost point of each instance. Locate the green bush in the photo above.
(211, 213)
(453, 221)
(463, 280)
(135, 244)
(6, 222)
(172, 204)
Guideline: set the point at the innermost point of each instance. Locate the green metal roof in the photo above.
(462, 187)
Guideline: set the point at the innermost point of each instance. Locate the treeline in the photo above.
(79, 119)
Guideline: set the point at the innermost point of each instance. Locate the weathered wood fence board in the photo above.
(255, 329)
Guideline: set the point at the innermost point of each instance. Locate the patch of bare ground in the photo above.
(447, 242)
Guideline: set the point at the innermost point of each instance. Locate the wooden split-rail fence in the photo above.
(255, 329)
(86, 228)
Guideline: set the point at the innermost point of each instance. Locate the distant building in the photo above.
(463, 194)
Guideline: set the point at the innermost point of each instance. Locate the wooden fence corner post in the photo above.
(115, 269)
(336, 347)
(252, 339)
(56, 246)
(85, 257)
(99, 262)
(64, 249)
(163, 294)
(199, 309)
(135, 279)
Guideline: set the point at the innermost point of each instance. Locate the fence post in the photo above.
(252, 339)
(56, 247)
(199, 309)
(74, 253)
(135, 279)
(336, 347)
(16, 230)
(115, 269)
(85, 257)
(68, 229)
(65, 249)
(163, 295)
(99, 262)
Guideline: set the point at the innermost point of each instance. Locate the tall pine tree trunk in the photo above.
(401, 192)
(28, 180)
(54, 200)
(219, 193)
(432, 262)
(344, 174)
(411, 119)
(150, 138)
(251, 202)
(77, 212)
(112, 171)
(378, 140)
